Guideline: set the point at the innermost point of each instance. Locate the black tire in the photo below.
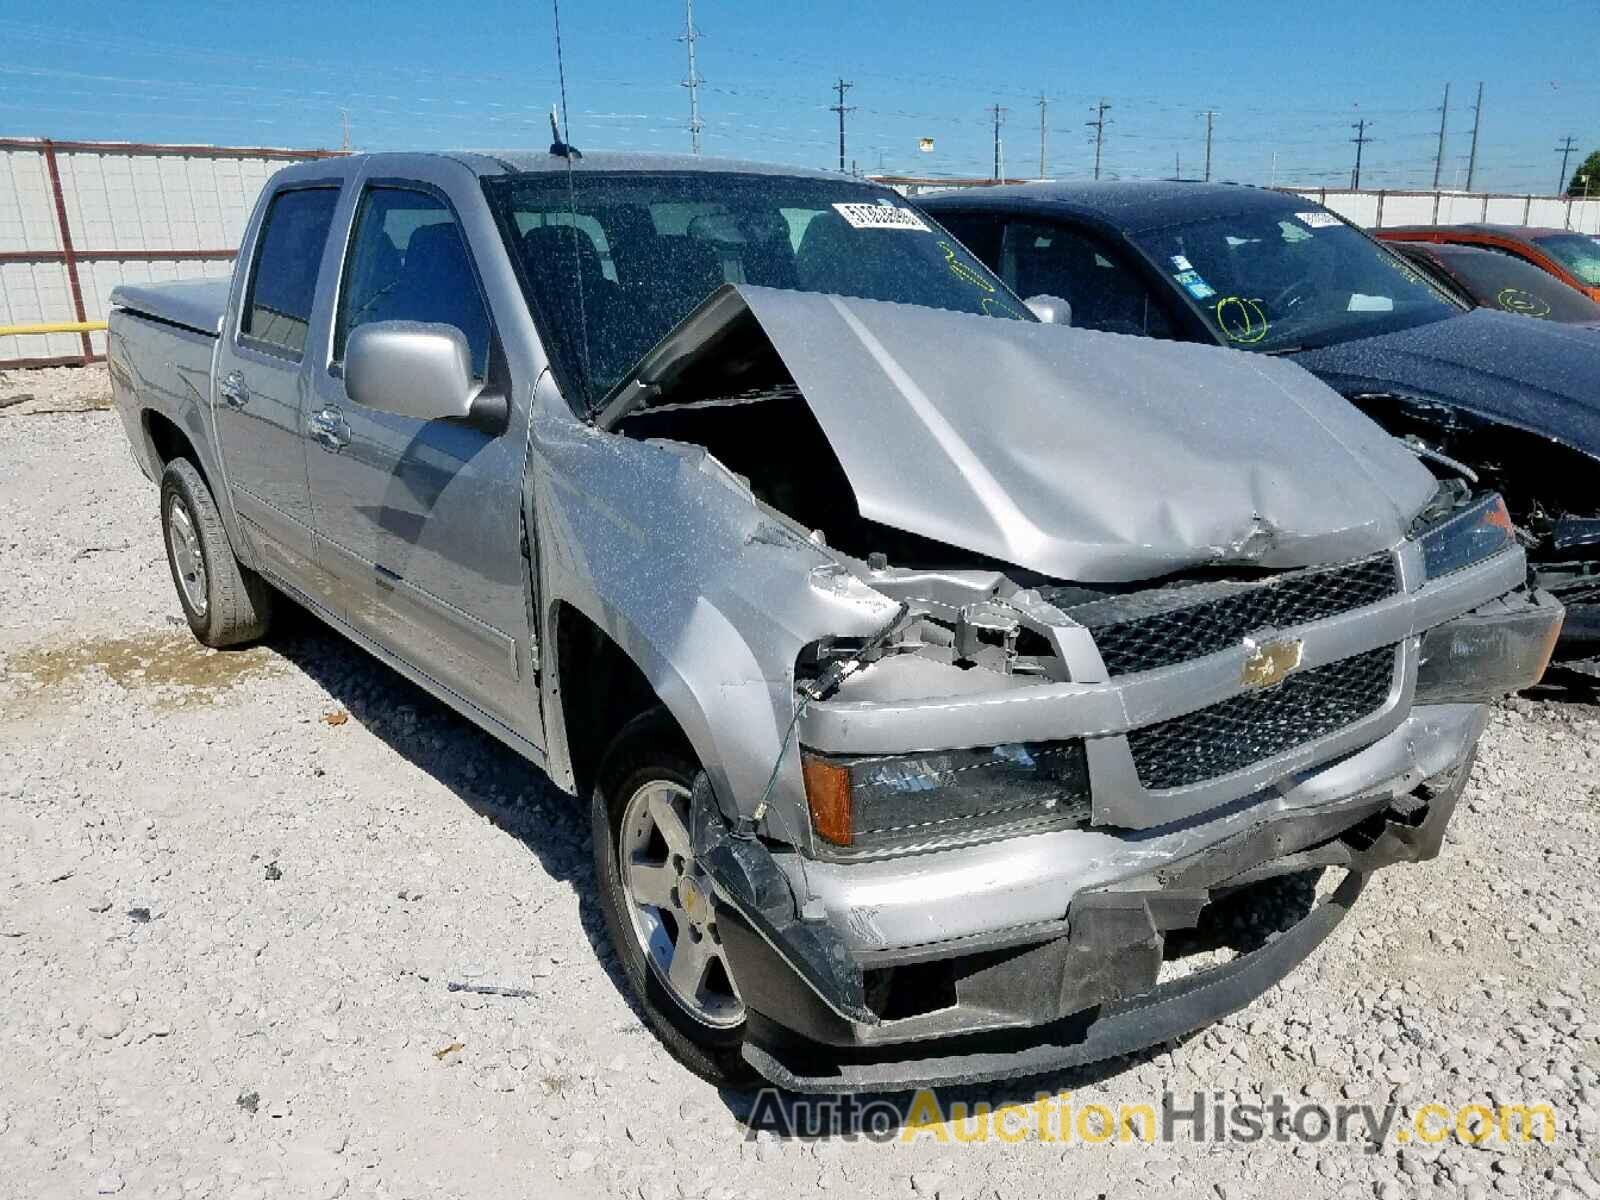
(650, 747)
(237, 603)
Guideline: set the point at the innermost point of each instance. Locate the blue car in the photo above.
(1512, 402)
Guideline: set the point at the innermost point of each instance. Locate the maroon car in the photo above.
(1494, 279)
(1573, 258)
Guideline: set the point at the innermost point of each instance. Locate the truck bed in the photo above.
(196, 304)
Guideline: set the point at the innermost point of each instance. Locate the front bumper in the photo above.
(1085, 987)
(1010, 957)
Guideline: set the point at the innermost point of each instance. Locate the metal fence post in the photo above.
(68, 256)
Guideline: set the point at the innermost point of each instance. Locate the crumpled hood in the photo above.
(1080, 455)
(1536, 375)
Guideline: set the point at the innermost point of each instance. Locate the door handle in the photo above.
(233, 391)
(328, 429)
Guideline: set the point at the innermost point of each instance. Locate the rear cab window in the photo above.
(408, 261)
(278, 301)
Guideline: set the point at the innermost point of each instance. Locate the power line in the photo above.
(693, 82)
(1477, 120)
(1099, 127)
(841, 108)
(1444, 115)
(1565, 150)
(1360, 139)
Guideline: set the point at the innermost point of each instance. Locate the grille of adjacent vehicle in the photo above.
(1246, 729)
(1167, 626)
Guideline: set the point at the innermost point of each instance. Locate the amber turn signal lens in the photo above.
(828, 796)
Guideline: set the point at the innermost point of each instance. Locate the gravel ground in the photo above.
(235, 887)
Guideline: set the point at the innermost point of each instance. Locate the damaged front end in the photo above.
(1110, 658)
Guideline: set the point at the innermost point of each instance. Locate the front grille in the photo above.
(1246, 729)
(1167, 626)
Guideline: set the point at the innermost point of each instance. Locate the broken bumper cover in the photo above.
(1082, 983)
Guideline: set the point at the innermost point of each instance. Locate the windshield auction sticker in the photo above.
(1318, 220)
(881, 216)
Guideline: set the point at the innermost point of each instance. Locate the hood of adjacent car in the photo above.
(1537, 375)
(1080, 455)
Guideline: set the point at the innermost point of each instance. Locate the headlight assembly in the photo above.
(1500, 648)
(901, 801)
(1479, 531)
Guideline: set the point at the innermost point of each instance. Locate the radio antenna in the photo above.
(561, 139)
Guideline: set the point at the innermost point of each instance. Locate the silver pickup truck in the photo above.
(925, 664)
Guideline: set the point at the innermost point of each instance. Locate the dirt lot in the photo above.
(234, 889)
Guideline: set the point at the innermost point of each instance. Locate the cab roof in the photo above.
(516, 162)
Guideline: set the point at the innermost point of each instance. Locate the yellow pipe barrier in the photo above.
(55, 327)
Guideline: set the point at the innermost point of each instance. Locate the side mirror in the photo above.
(411, 369)
(1052, 310)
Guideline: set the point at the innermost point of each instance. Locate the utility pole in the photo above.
(999, 114)
(1099, 127)
(1274, 182)
(1209, 115)
(841, 108)
(344, 123)
(1360, 139)
(1438, 158)
(1566, 153)
(694, 81)
(1043, 104)
(1477, 120)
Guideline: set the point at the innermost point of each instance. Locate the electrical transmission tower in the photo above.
(1438, 158)
(999, 114)
(841, 108)
(1099, 127)
(1477, 120)
(694, 81)
(1565, 150)
(1360, 139)
(1043, 103)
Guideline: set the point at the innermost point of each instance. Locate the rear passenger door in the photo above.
(1107, 291)
(419, 522)
(261, 381)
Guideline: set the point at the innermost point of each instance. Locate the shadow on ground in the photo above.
(490, 778)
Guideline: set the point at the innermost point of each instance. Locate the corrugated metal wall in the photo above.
(132, 212)
(1380, 209)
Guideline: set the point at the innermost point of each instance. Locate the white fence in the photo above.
(1382, 209)
(78, 218)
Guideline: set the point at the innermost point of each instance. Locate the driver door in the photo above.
(419, 522)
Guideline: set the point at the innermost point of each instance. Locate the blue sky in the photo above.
(1286, 80)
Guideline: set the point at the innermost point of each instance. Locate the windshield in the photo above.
(1498, 280)
(1577, 252)
(1286, 280)
(613, 261)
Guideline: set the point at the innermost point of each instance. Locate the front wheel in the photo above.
(657, 901)
(225, 602)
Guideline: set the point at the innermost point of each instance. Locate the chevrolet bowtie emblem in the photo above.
(1270, 662)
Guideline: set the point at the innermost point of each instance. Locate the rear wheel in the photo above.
(225, 602)
(658, 905)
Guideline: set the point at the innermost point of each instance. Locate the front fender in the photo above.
(711, 597)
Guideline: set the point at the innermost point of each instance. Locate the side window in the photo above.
(408, 262)
(283, 279)
(1104, 291)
